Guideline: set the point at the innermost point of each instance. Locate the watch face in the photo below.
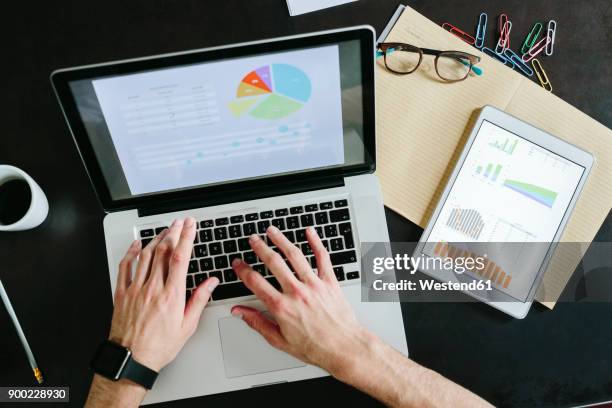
(110, 359)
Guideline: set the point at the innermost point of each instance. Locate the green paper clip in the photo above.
(532, 37)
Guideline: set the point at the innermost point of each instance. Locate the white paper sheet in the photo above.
(297, 7)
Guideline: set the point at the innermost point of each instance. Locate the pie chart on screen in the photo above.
(271, 92)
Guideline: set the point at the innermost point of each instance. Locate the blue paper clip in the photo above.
(495, 55)
(481, 30)
(518, 62)
(507, 54)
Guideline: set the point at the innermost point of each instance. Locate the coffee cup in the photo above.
(23, 205)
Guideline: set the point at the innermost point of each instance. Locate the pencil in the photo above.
(22, 337)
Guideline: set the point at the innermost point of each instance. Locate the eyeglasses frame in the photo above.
(474, 59)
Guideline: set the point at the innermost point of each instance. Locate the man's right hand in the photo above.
(314, 322)
(312, 319)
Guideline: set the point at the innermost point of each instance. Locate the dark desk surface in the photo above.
(57, 275)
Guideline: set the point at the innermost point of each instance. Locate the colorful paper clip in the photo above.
(532, 37)
(541, 74)
(459, 33)
(504, 38)
(518, 62)
(536, 49)
(495, 55)
(481, 30)
(501, 23)
(508, 53)
(551, 30)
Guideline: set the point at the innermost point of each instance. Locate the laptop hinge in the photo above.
(243, 194)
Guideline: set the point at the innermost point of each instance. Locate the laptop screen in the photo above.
(230, 119)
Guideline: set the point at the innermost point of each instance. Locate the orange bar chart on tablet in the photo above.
(490, 269)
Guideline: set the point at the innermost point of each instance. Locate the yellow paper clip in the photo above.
(541, 74)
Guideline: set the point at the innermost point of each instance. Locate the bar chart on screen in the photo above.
(490, 270)
(466, 221)
(490, 172)
(507, 146)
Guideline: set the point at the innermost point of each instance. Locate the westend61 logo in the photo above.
(411, 264)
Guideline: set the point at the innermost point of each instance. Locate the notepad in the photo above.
(422, 125)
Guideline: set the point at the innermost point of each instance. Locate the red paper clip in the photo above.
(501, 24)
(459, 33)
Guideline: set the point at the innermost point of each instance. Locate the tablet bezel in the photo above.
(532, 134)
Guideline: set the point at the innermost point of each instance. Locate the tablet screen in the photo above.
(508, 190)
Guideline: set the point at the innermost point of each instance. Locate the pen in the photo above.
(24, 341)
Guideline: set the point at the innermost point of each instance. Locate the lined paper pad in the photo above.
(422, 125)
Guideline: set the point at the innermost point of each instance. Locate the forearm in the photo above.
(382, 372)
(120, 394)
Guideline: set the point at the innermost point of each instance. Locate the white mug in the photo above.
(39, 207)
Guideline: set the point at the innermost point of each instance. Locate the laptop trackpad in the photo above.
(246, 352)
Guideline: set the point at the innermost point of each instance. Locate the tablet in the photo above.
(506, 203)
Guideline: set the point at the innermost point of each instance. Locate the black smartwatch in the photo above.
(115, 362)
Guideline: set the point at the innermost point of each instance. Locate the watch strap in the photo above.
(136, 372)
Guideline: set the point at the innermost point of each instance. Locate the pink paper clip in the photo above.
(501, 24)
(504, 38)
(536, 49)
(459, 33)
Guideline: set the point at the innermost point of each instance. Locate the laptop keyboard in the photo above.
(218, 241)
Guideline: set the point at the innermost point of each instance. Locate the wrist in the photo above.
(355, 356)
(138, 354)
(105, 392)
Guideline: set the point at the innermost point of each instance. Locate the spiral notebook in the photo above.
(422, 125)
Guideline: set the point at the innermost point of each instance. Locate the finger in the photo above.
(124, 277)
(179, 262)
(198, 301)
(163, 252)
(255, 282)
(144, 260)
(274, 262)
(324, 265)
(261, 324)
(293, 254)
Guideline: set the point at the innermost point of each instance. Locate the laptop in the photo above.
(274, 132)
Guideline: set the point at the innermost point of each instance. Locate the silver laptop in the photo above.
(276, 132)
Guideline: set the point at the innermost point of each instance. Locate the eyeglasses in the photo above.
(451, 66)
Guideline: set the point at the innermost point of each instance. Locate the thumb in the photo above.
(261, 324)
(198, 301)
